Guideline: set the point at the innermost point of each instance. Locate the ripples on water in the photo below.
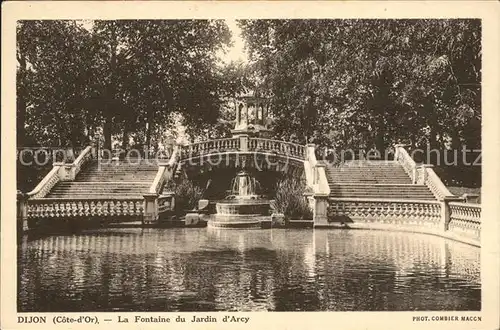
(205, 269)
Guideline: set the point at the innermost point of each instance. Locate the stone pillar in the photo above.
(238, 114)
(310, 151)
(22, 212)
(244, 143)
(471, 198)
(247, 120)
(445, 212)
(320, 212)
(66, 171)
(150, 208)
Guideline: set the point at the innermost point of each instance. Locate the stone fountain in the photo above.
(243, 207)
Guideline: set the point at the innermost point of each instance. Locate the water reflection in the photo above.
(246, 270)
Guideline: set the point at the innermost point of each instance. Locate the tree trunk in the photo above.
(149, 128)
(380, 140)
(111, 93)
(21, 120)
(21, 103)
(125, 136)
(107, 131)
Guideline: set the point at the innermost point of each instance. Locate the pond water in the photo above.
(209, 269)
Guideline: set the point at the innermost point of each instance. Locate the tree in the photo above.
(124, 76)
(52, 78)
(370, 83)
(153, 69)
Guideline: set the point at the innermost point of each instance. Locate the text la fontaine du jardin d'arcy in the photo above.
(180, 319)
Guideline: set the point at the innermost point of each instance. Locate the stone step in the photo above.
(113, 179)
(77, 191)
(395, 188)
(380, 192)
(380, 185)
(347, 173)
(378, 189)
(69, 183)
(334, 179)
(340, 172)
(103, 174)
(120, 169)
(97, 196)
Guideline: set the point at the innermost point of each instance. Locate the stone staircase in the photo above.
(375, 180)
(108, 180)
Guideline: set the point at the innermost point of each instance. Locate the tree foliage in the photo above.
(371, 83)
(119, 77)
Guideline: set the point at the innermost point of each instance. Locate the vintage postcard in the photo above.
(221, 165)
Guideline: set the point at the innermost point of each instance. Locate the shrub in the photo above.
(187, 195)
(290, 199)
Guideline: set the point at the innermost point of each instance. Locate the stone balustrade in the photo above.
(166, 202)
(317, 181)
(434, 183)
(422, 174)
(449, 217)
(408, 164)
(47, 183)
(165, 172)
(155, 203)
(207, 147)
(280, 147)
(70, 208)
(422, 212)
(60, 172)
(243, 143)
(465, 219)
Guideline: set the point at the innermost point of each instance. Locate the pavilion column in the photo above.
(246, 113)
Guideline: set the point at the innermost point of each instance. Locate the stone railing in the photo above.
(403, 158)
(427, 213)
(61, 172)
(166, 202)
(85, 156)
(47, 183)
(309, 165)
(65, 208)
(165, 172)
(448, 217)
(316, 181)
(465, 218)
(207, 147)
(315, 172)
(429, 178)
(155, 203)
(421, 174)
(280, 147)
(243, 143)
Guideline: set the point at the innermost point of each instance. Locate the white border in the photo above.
(488, 11)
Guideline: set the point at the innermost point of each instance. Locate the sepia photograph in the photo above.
(248, 165)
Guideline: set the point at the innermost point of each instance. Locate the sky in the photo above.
(237, 51)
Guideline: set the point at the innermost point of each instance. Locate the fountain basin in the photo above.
(236, 221)
(243, 207)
